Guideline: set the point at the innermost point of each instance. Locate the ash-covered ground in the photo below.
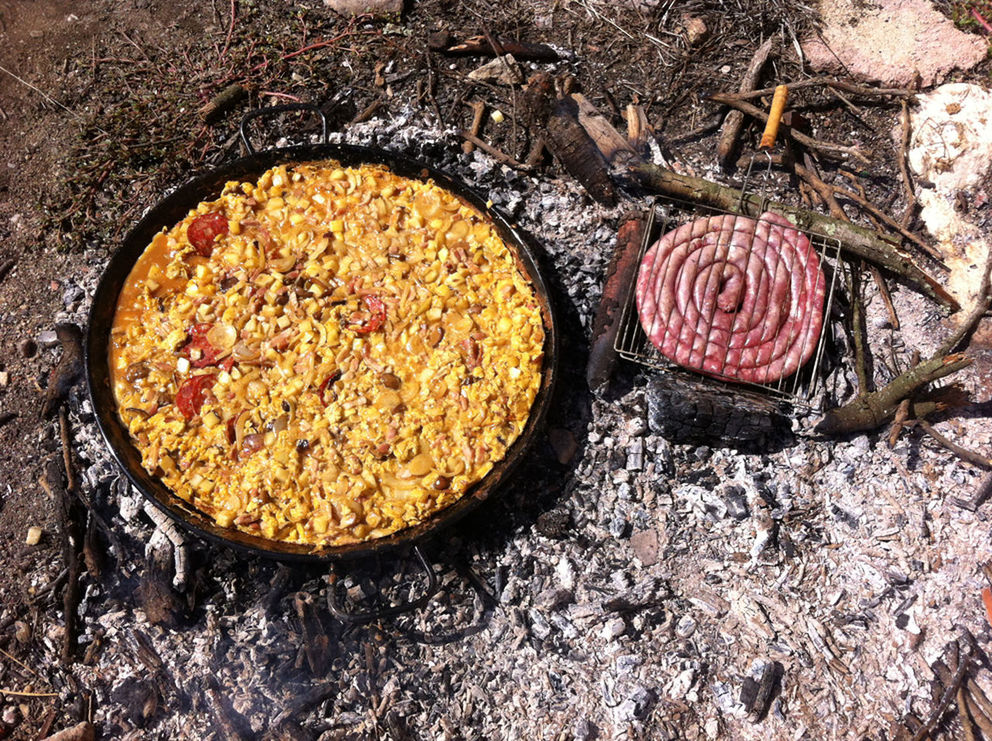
(623, 586)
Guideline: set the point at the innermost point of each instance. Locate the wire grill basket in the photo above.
(632, 343)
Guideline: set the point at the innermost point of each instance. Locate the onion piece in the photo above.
(222, 336)
(243, 352)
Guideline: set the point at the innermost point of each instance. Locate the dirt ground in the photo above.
(99, 117)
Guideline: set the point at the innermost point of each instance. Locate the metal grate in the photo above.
(632, 343)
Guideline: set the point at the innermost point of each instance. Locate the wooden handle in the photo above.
(774, 116)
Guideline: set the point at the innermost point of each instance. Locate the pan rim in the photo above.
(179, 199)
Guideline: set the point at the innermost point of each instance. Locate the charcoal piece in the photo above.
(735, 498)
(690, 411)
(757, 695)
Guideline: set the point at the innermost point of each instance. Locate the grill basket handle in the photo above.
(338, 609)
(274, 110)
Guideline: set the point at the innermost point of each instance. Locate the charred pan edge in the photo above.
(171, 210)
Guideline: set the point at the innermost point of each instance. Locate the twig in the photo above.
(481, 46)
(981, 20)
(828, 193)
(945, 701)
(735, 119)
(24, 693)
(5, 268)
(907, 182)
(847, 87)
(883, 291)
(72, 543)
(230, 32)
(496, 154)
(70, 472)
(222, 102)
(825, 148)
(969, 455)
(858, 331)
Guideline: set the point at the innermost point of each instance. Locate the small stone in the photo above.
(501, 71)
(637, 426)
(10, 717)
(27, 348)
(695, 30)
(72, 295)
(563, 443)
(22, 632)
(554, 598)
(33, 536)
(47, 339)
(635, 454)
(539, 625)
(614, 628)
(4, 378)
(685, 627)
(555, 523)
(644, 544)
(619, 527)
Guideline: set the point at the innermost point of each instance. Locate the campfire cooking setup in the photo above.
(559, 371)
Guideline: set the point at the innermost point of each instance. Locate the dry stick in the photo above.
(735, 119)
(883, 291)
(899, 421)
(945, 701)
(829, 192)
(826, 192)
(495, 153)
(907, 182)
(859, 330)
(828, 149)
(72, 543)
(855, 240)
(969, 455)
(847, 87)
(6, 268)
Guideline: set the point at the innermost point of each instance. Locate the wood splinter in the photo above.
(478, 113)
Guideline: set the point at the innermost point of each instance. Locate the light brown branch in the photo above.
(961, 452)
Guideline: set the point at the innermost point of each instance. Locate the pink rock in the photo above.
(891, 42)
(377, 8)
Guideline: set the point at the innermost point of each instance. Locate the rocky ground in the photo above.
(637, 579)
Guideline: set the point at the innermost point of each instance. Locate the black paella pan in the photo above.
(169, 211)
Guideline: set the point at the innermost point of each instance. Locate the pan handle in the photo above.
(336, 605)
(272, 111)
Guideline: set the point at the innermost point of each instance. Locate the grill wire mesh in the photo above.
(632, 343)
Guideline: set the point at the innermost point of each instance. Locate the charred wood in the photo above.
(619, 282)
